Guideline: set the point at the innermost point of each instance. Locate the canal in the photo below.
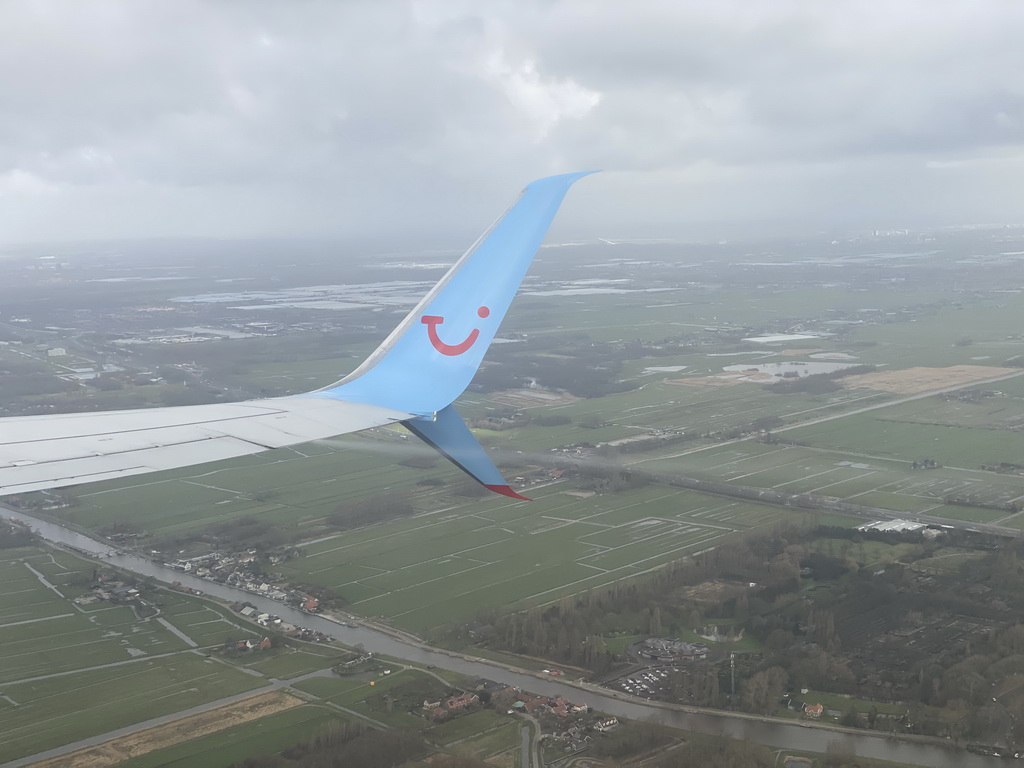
(775, 734)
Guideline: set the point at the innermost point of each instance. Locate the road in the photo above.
(92, 741)
(841, 415)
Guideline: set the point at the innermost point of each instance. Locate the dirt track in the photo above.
(126, 747)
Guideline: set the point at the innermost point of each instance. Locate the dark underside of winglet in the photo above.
(448, 433)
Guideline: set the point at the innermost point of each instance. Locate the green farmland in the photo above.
(292, 488)
(266, 736)
(58, 654)
(50, 712)
(439, 567)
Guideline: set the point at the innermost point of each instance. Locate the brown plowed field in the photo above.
(911, 381)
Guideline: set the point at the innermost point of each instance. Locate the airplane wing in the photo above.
(413, 378)
(40, 452)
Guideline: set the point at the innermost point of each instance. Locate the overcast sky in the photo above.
(303, 118)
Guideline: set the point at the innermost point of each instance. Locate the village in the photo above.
(567, 727)
(242, 570)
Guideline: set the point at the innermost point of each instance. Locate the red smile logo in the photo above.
(432, 321)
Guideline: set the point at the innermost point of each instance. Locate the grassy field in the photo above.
(435, 568)
(956, 446)
(871, 476)
(932, 340)
(292, 662)
(43, 632)
(58, 654)
(266, 736)
(50, 711)
(368, 694)
(666, 401)
(867, 553)
(480, 734)
(296, 488)
(205, 623)
(947, 561)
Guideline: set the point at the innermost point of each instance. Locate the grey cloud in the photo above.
(327, 118)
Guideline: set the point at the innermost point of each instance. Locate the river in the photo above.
(777, 735)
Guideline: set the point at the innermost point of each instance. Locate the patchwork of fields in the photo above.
(872, 478)
(292, 488)
(439, 567)
(70, 671)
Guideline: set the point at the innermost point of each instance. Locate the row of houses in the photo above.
(544, 705)
(242, 570)
(271, 621)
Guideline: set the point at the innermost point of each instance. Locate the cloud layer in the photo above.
(125, 119)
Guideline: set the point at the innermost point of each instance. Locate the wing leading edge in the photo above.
(412, 378)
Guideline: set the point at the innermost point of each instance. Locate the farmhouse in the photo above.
(456, 703)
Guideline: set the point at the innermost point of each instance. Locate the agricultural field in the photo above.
(956, 446)
(292, 488)
(494, 553)
(653, 316)
(293, 662)
(44, 632)
(130, 670)
(459, 556)
(58, 653)
(265, 736)
(40, 622)
(206, 624)
(480, 735)
(871, 476)
(671, 403)
(982, 333)
(48, 712)
(368, 695)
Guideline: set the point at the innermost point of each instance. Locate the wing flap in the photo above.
(55, 451)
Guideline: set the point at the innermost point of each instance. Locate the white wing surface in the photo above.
(39, 452)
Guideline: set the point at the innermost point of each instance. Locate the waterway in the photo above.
(777, 735)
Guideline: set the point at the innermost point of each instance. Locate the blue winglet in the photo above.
(430, 358)
(448, 433)
(433, 354)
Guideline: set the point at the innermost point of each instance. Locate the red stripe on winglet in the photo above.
(506, 490)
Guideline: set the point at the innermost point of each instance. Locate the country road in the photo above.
(834, 416)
